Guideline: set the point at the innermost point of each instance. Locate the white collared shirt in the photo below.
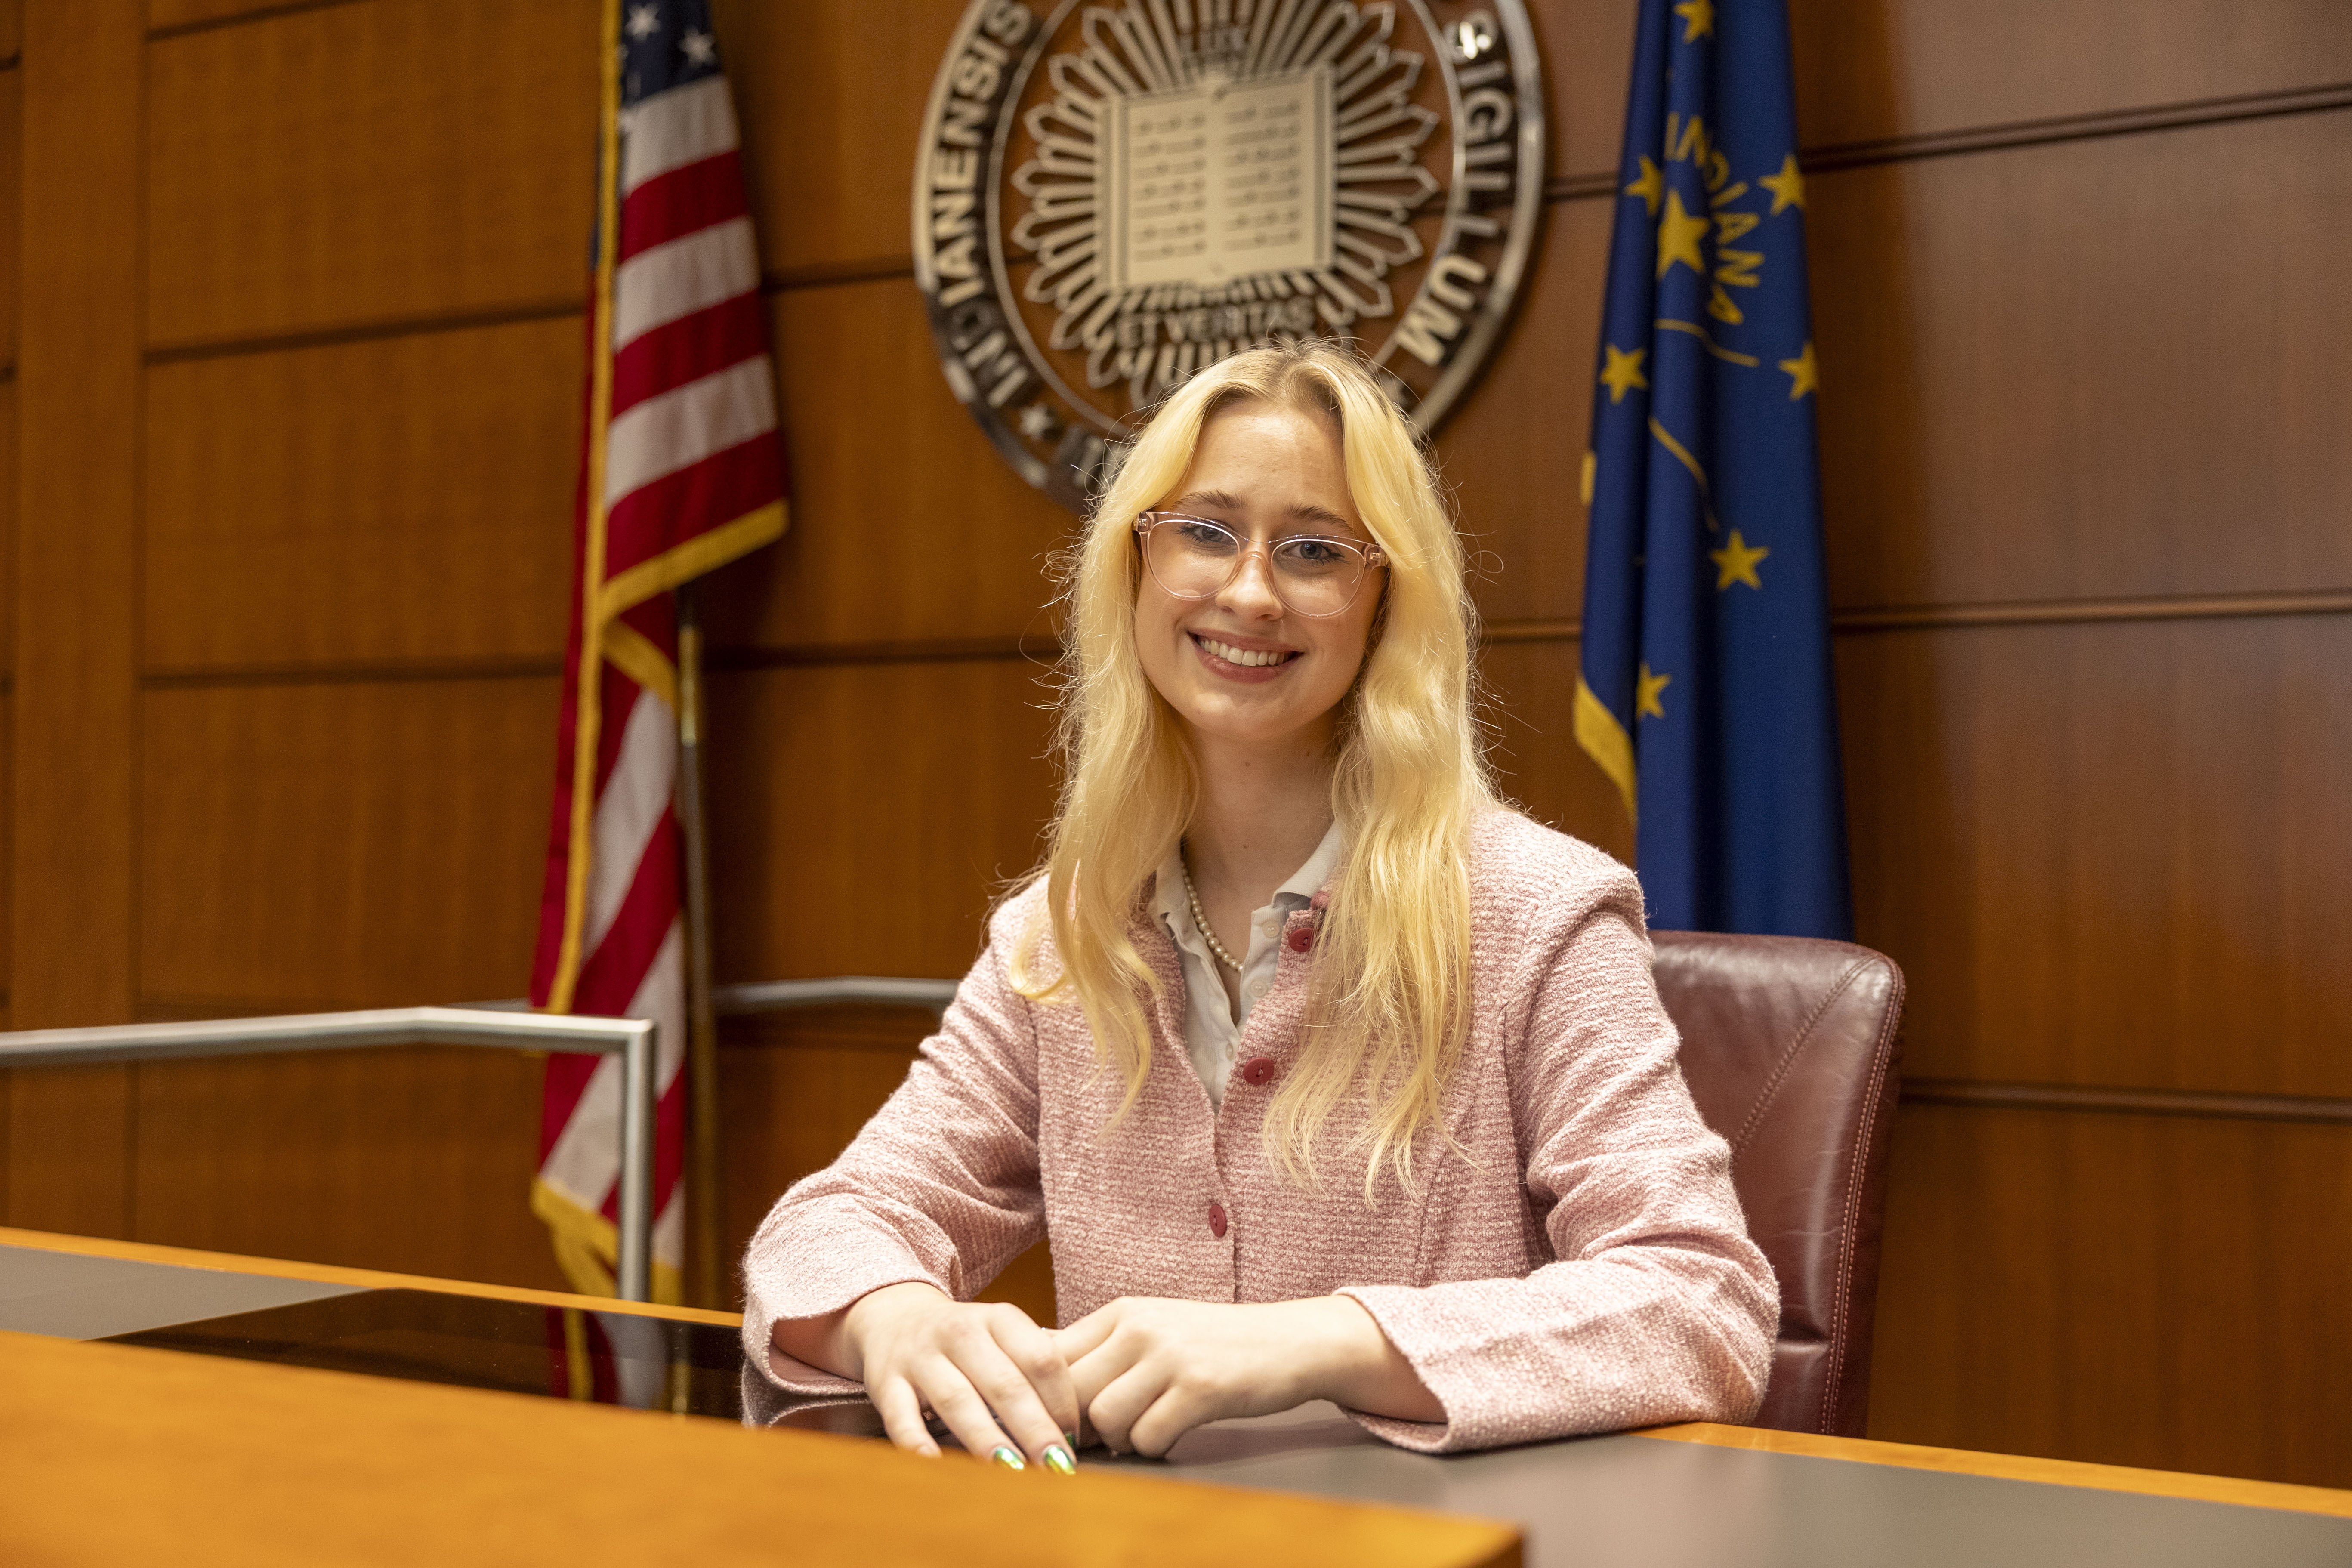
(1213, 1032)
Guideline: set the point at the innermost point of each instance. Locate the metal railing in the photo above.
(633, 1039)
(871, 990)
(501, 1024)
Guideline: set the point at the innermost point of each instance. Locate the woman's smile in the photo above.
(1237, 661)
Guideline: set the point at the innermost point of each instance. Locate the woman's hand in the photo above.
(1148, 1370)
(976, 1365)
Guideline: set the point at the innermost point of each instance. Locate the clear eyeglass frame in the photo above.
(1365, 559)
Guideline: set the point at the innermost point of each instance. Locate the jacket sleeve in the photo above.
(1658, 1307)
(940, 1186)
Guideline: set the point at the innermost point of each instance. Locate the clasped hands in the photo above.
(1136, 1375)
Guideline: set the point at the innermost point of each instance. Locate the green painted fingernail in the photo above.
(1058, 1460)
(1009, 1458)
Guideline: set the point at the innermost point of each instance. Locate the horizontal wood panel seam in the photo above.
(2019, 133)
(2128, 1101)
(944, 651)
(873, 269)
(1567, 628)
(243, 19)
(360, 672)
(878, 270)
(2075, 611)
(2081, 127)
(1580, 187)
(1046, 649)
(2011, 612)
(365, 332)
(949, 650)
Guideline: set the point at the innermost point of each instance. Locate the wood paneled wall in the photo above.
(290, 425)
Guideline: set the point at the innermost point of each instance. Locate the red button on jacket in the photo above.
(1217, 1221)
(1259, 1069)
(1301, 938)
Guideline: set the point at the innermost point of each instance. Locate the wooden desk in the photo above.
(1696, 1494)
(119, 1455)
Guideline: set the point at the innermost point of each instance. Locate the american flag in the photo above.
(682, 470)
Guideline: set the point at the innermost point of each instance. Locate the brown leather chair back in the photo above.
(1791, 1047)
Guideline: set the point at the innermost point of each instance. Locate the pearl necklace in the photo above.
(1201, 921)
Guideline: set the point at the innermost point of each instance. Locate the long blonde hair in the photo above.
(1388, 1002)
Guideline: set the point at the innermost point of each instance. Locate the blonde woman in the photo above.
(1324, 1075)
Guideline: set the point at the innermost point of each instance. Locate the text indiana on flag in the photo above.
(1706, 693)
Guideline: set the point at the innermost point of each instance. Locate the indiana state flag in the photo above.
(1707, 690)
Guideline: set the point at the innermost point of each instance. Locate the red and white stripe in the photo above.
(692, 467)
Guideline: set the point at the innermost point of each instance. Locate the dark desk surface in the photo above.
(1629, 1499)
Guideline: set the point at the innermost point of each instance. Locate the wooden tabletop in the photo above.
(115, 1454)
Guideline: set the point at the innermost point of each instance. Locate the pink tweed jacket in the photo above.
(1582, 1266)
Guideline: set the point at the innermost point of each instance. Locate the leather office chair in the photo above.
(1791, 1049)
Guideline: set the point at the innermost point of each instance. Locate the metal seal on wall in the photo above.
(1109, 199)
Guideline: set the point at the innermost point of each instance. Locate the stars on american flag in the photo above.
(665, 43)
(645, 21)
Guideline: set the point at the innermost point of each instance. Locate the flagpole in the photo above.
(702, 1190)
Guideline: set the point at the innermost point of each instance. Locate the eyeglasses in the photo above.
(1194, 558)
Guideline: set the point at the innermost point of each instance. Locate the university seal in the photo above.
(1109, 199)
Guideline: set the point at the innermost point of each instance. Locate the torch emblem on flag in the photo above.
(682, 471)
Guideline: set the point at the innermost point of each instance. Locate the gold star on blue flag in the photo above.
(1705, 558)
